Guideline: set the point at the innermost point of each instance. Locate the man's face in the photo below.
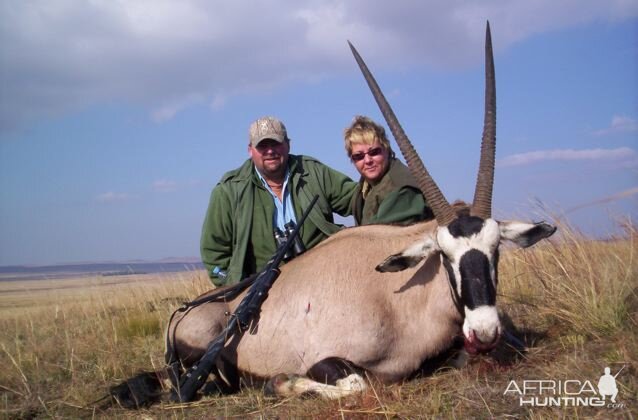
(270, 157)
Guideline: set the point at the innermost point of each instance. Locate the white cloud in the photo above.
(619, 124)
(170, 109)
(218, 102)
(62, 55)
(164, 185)
(607, 199)
(110, 197)
(619, 154)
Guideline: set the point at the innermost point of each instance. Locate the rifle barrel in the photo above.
(620, 371)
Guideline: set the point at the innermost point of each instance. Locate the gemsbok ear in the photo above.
(409, 257)
(525, 234)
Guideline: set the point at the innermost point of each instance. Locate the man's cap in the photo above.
(267, 128)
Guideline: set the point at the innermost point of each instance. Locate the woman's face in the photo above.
(371, 160)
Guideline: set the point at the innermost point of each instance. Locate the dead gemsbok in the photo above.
(372, 300)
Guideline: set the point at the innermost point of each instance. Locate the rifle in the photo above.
(624, 366)
(240, 320)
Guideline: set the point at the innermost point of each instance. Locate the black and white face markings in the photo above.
(470, 245)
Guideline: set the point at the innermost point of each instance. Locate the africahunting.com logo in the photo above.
(568, 393)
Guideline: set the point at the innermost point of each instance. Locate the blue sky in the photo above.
(117, 118)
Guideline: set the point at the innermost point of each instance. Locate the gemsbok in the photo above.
(374, 300)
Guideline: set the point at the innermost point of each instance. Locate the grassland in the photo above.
(573, 301)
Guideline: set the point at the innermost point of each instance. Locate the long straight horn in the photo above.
(482, 206)
(440, 206)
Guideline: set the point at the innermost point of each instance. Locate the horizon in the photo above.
(117, 119)
(197, 259)
(165, 260)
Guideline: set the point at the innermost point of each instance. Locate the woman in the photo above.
(387, 192)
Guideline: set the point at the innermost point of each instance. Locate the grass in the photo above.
(588, 285)
(574, 302)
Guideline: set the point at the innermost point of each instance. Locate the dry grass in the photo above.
(574, 302)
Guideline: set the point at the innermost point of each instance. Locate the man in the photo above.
(607, 385)
(269, 190)
(387, 192)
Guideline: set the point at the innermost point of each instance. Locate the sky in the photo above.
(117, 118)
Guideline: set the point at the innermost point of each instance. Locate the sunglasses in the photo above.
(372, 153)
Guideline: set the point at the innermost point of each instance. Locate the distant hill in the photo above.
(191, 260)
(165, 265)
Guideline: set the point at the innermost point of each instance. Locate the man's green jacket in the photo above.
(237, 235)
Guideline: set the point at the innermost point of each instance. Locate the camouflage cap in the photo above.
(267, 128)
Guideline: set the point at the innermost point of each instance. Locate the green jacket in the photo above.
(395, 199)
(238, 229)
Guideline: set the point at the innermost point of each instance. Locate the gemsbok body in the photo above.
(375, 300)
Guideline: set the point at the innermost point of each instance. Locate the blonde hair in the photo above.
(365, 131)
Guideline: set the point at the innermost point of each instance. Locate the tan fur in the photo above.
(330, 302)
